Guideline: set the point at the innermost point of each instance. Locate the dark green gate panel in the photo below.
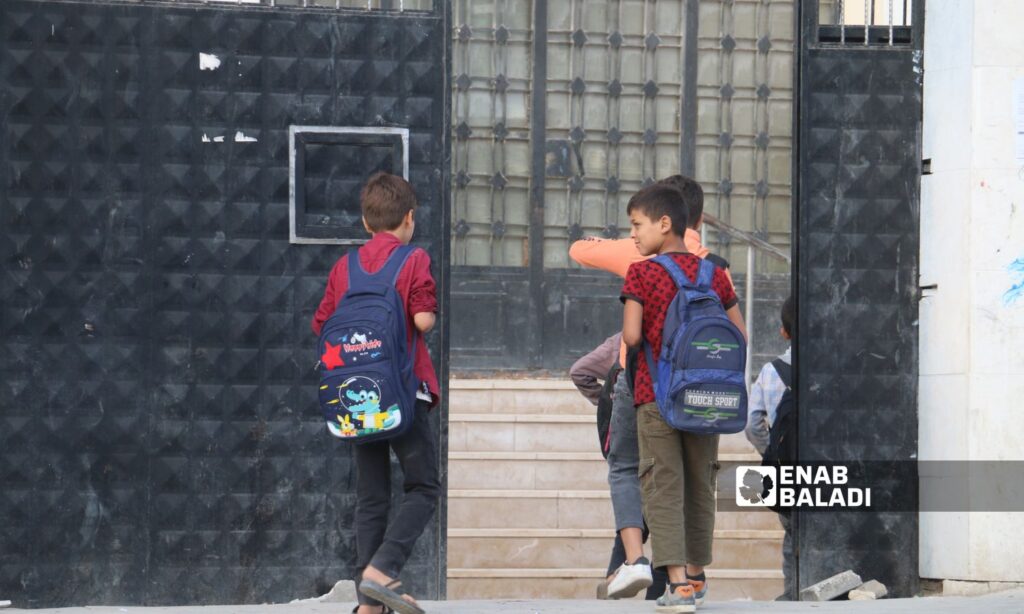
(159, 436)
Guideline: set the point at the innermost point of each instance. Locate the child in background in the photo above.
(588, 371)
(765, 396)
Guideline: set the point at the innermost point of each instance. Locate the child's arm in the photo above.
(737, 318)
(424, 321)
(587, 372)
(632, 323)
(422, 292)
(722, 285)
(757, 417)
(612, 255)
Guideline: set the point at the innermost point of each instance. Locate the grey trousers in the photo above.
(624, 459)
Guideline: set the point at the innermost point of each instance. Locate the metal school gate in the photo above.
(160, 260)
(858, 231)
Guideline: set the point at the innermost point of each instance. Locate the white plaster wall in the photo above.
(972, 229)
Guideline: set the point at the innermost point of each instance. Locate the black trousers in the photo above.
(387, 546)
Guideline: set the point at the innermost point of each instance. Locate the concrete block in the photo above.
(5, 604)
(870, 590)
(833, 587)
(344, 591)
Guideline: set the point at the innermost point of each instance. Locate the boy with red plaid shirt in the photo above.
(677, 469)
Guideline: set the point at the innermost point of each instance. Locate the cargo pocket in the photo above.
(645, 472)
(713, 468)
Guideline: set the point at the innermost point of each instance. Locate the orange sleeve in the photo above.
(612, 255)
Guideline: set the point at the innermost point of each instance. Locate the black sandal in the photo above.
(387, 595)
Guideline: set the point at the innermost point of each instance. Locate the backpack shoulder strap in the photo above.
(785, 371)
(705, 274)
(676, 273)
(652, 366)
(357, 275)
(396, 262)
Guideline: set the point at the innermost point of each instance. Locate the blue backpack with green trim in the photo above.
(699, 377)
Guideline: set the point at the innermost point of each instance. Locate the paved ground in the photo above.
(1000, 603)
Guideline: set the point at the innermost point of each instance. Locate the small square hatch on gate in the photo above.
(328, 167)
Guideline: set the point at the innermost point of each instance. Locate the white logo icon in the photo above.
(756, 486)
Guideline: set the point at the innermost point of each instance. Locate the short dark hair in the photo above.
(789, 315)
(693, 196)
(385, 200)
(658, 200)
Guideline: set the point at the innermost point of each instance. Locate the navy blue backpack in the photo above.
(699, 377)
(367, 385)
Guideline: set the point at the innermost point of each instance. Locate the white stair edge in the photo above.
(528, 494)
(528, 418)
(599, 573)
(601, 533)
(533, 383)
(527, 456)
(751, 457)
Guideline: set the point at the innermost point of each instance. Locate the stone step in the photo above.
(563, 509)
(537, 470)
(534, 548)
(479, 396)
(576, 583)
(548, 432)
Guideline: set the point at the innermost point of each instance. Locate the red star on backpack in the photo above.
(332, 356)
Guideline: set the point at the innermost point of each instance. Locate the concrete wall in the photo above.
(972, 233)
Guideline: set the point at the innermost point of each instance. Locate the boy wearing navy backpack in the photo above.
(677, 468)
(388, 206)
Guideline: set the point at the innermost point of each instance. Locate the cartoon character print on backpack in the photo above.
(361, 399)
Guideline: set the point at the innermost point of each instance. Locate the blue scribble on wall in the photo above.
(1016, 291)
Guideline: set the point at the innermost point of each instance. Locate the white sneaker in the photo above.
(630, 579)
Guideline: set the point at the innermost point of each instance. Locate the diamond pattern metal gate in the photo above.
(858, 234)
(159, 437)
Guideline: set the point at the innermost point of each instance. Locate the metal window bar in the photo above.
(879, 22)
(368, 5)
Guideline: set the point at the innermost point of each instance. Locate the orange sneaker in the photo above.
(700, 590)
(678, 599)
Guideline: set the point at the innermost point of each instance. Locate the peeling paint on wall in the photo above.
(1016, 291)
(208, 61)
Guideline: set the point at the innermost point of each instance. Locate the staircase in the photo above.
(529, 514)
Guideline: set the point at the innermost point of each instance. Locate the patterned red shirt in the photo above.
(415, 285)
(649, 284)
